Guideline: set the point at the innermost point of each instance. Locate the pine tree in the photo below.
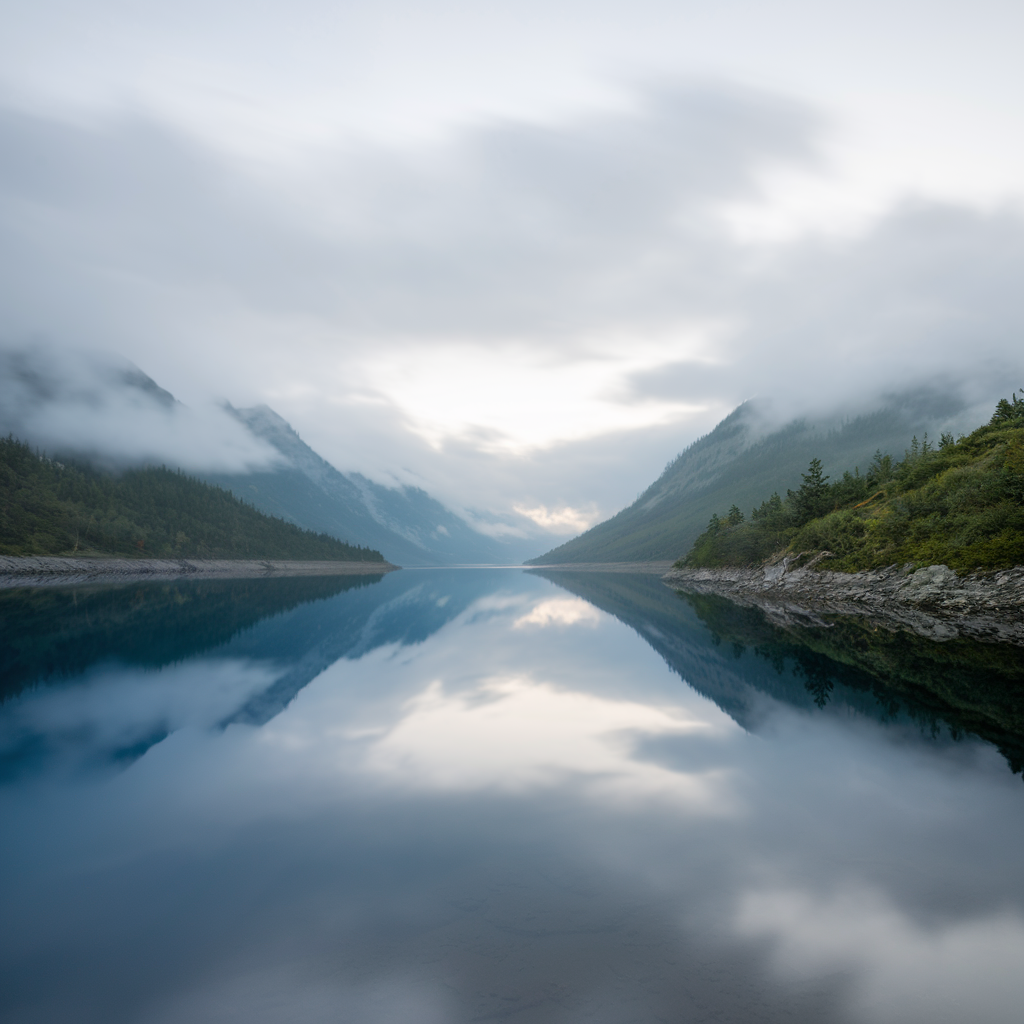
(813, 498)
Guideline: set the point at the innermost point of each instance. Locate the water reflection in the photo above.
(96, 660)
(486, 795)
(56, 633)
(955, 688)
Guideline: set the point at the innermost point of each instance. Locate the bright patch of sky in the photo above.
(521, 396)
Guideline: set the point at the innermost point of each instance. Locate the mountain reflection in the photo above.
(254, 643)
(452, 796)
(735, 656)
(57, 633)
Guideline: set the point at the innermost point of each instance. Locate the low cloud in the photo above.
(515, 316)
(104, 408)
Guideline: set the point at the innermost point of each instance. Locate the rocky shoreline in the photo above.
(36, 571)
(932, 602)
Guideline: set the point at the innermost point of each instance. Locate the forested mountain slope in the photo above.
(738, 463)
(52, 508)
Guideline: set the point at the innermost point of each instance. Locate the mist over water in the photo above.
(455, 795)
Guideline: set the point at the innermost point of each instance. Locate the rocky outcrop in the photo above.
(932, 602)
(35, 571)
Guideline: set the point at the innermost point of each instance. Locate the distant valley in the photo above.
(740, 462)
(406, 523)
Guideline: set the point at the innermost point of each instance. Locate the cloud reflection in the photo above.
(115, 714)
(911, 970)
(517, 733)
(560, 611)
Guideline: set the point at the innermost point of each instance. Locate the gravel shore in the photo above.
(35, 571)
(932, 602)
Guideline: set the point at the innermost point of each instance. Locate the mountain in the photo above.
(33, 376)
(103, 410)
(48, 507)
(742, 463)
(406, 523)
(959, 504)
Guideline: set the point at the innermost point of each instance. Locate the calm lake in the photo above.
(498, 795)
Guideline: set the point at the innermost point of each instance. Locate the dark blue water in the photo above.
(487, 795)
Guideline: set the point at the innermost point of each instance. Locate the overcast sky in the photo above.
(518, 253)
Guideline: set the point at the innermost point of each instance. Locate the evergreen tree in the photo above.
(881, 471)
(775, 512)
(813, 498)
(1007, 411)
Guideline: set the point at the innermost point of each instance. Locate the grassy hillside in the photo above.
(50, 508)
(959, 504)
(736, 463)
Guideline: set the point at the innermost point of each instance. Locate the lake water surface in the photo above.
(495, 795)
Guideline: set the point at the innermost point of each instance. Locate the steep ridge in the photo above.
(959, 504)
(406, 523)
(740, 462)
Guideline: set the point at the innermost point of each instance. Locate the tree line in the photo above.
(52, 507)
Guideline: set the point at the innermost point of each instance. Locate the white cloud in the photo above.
(565, 519)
